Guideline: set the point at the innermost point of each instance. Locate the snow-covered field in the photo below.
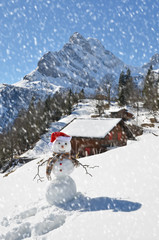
(119, 202)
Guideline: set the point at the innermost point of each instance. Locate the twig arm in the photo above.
(38, 171)
(85, 166)
(156, 135)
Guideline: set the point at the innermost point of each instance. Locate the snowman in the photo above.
(63, 188)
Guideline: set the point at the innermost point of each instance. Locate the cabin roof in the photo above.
(93, 128)
(119, 110)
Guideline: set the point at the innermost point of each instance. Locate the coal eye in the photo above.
(59, 143)
(65, 143)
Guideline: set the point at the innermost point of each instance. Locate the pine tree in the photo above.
(121, 89)
(126, 88)
(150, 91)
(129, 91)
(69, 102)
(108, 83)
(81, 94)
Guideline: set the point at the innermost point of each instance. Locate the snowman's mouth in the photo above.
(62, 151)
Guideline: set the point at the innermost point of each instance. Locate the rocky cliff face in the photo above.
(81, 63)
(13, 99)
(154, 62)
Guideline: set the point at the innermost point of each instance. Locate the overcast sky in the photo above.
(30, 28)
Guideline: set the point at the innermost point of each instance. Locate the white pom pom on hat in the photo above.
(60, 136)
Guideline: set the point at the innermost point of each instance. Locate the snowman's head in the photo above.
(61, 146)
(61, 143)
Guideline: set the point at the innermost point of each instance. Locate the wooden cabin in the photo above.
(93, 136)
(122, 113)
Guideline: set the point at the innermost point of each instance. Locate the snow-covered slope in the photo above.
(120, 201)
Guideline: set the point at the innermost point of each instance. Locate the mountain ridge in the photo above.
(80, 64)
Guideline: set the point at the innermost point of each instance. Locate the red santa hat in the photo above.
(60, 136)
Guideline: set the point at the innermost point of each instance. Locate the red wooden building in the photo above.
(92, 136)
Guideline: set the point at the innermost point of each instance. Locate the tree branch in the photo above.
(155, 134)
(85, 166)
(40, 163)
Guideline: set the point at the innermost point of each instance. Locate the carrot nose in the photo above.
(62, 146)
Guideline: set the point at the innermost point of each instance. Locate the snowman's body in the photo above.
(62, 188)
(63, 167)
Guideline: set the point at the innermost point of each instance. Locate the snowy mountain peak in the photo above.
(154, 62)
(155, 59)
(80, 64)
(77, 38)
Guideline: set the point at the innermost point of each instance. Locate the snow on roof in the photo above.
(117, 110)
(94, 128)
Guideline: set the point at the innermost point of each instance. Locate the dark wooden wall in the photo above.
(90, 146)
